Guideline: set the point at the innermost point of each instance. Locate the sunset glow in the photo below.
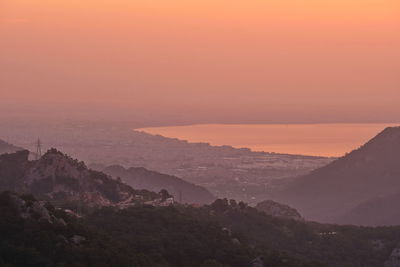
(200, 133)
(330, 140)
(209, 58)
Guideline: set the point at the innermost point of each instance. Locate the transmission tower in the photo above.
(38, 149)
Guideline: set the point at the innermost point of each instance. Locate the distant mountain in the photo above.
(276, 209)
(57, 177)
(8, 148)
(330, 192)
(375, 212)
(141, 178)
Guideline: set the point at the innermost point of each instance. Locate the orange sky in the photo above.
(263, 60)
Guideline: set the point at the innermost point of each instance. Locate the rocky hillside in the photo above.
(58, 177)
(330, 192)
(141, 178)
(34, 233)
(225, 233)
(279, 210)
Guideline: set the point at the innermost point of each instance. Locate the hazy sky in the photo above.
(208, 60)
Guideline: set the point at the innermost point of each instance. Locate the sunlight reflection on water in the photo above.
(307, 139)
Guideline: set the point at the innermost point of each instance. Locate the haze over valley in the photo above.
(120, 198)
(225, 171)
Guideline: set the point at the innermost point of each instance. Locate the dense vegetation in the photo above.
(222, 234)
(170, 237)
(32, 240)
(333, 245)
(138, 236)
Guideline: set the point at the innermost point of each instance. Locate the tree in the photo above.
(164, 195)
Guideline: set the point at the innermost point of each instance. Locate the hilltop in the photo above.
(278, 210)
(58, 177)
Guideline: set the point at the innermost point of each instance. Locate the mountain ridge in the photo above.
(6, 147)
(327, 193)
(141, 178)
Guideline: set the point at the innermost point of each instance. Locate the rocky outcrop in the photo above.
(28, 208)
(279, 210)
(57, 177)
(257, 262)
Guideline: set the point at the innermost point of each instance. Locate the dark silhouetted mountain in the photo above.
(374, 212)
(8, 148)
(141, 178)
(278, 210)
(58, 177)
(330, 192)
